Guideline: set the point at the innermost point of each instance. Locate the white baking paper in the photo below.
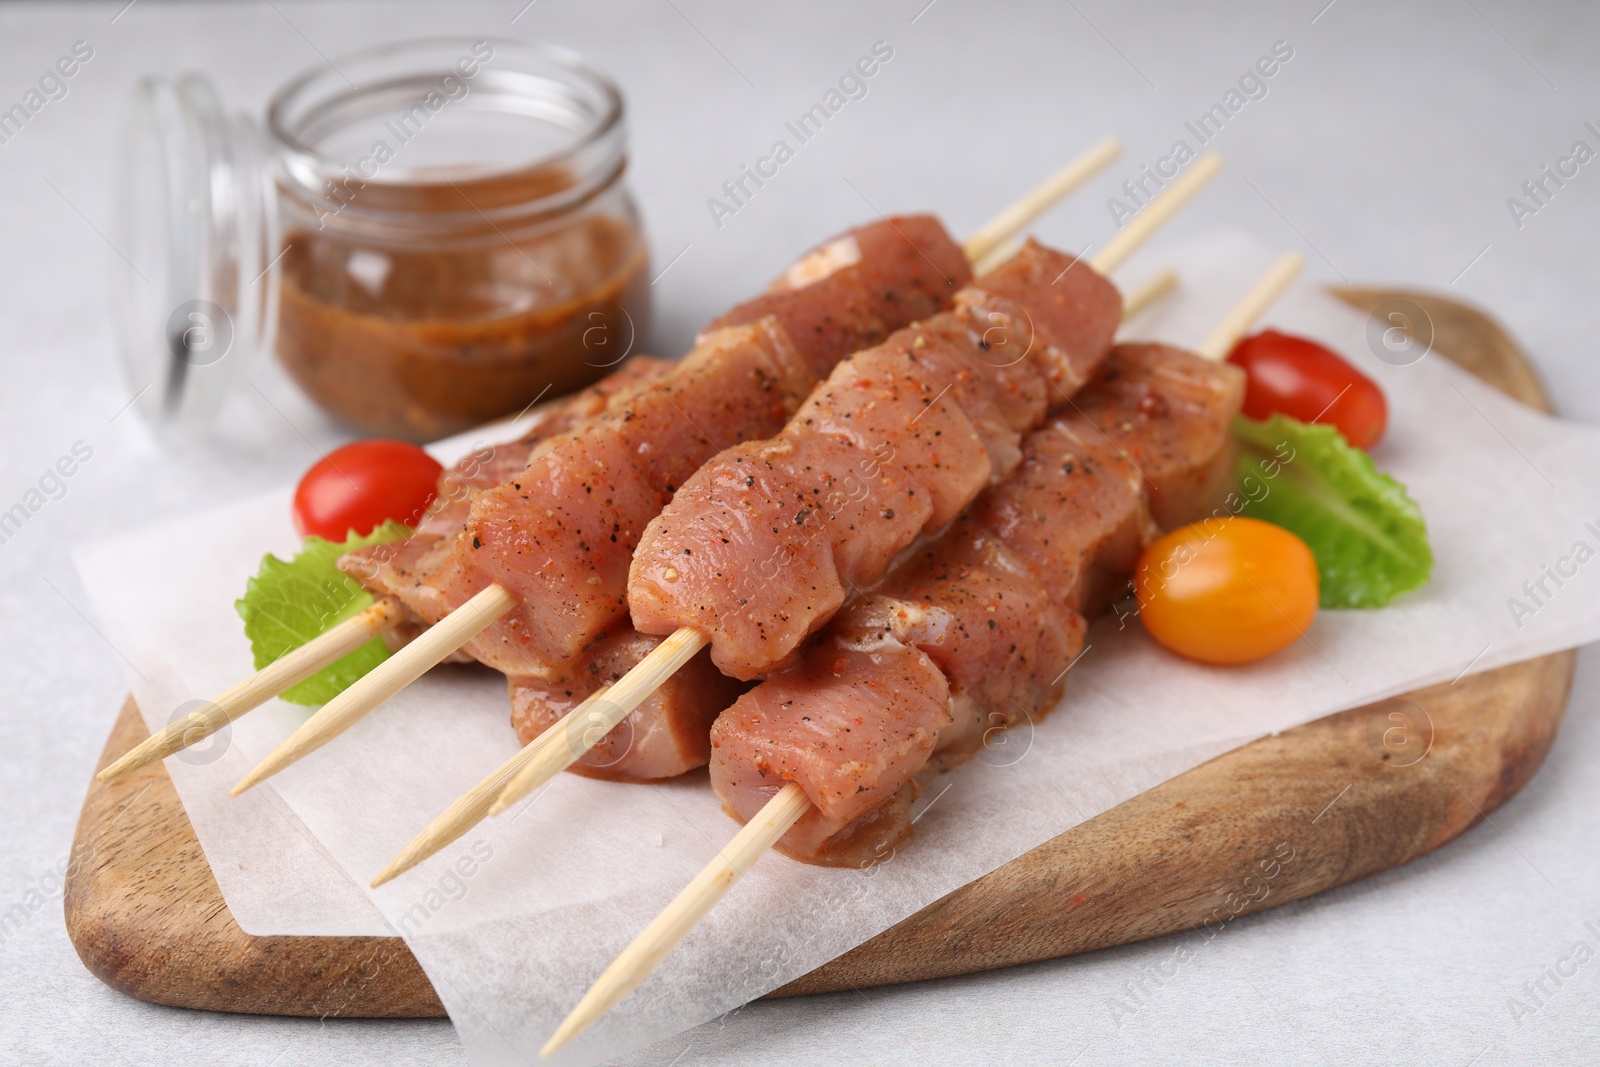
(514, 921)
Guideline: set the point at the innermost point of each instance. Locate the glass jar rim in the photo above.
(593, 157)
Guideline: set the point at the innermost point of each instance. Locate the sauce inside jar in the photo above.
(457, 238)
(419, 342)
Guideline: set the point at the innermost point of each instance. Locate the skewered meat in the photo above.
(976, 631)
(767, 540)
(856, 289)
(685, 711)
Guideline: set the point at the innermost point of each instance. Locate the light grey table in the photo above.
(1386, 148)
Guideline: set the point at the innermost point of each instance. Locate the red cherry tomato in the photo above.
(1309, 382)
(1228, 590)
(359, 486)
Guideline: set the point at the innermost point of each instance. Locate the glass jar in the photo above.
(443, 236)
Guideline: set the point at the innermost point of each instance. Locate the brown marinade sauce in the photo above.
(420, 339)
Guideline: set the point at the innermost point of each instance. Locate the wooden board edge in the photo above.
(1465, 335)
(1230, 837)
(146, 916)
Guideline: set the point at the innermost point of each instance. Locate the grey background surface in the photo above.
(1386, 149)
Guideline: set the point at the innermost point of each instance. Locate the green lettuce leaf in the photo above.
(289, 602)
(1369, 537)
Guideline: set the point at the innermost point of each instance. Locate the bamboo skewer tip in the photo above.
(1151, 291)
(1172, 199)
(290, 669)
(455, 820)
(1251, 306)
(646, 951)
(1016, 216)
(472, 806)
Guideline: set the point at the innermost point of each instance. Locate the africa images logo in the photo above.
(852, 85)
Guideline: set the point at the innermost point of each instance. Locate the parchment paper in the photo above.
(514, 921)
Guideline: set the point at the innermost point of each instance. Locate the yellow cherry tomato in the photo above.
(1227, 590)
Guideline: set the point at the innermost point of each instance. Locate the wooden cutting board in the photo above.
(1279, 819)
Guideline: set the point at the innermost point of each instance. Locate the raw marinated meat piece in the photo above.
(763, 543)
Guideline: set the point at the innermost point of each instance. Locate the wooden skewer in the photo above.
(383, 682)
(642, 957)
(585, 725)
(1270, 286)
(1149, 291)
(1001, 253)
(1131, 236)
(769, 825)
(1157, 213)
(1018, 216)
(401, 669)
(290, 669)
(473, 805)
